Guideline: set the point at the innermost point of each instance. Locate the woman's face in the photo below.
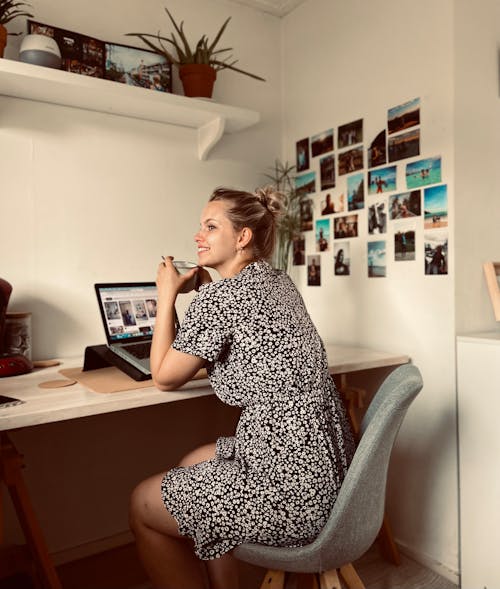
(216, 240)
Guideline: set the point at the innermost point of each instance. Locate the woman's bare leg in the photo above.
(222, 572)
(168, 559)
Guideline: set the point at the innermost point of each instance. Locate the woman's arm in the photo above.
(170, 368)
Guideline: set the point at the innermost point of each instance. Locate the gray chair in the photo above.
(358, 512)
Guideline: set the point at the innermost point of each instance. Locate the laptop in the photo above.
(128, 313)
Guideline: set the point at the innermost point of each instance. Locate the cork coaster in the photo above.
(56, 384)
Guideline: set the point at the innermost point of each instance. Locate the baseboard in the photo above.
(91, 548)
(430, 563)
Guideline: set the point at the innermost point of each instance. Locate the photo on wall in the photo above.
(404, 145)
(405, 205)
(305, 183)
(350, 134)
(377, 217)
(435, 207)
(302, 154)
(327, 172)
(382, 180)
(403, 116)
(377, 265)
(350, 161)
(323, 235)
(342, 258)
(436, 251)
(313, 270)
(306, 214)
(330, 203)
(355, 192)
(423, 172)
(299, 250)
(404, 244)
(322, 143)
(377, 152)
(345, 226)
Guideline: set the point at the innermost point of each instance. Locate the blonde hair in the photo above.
(259, 211)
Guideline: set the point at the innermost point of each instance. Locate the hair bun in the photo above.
(271, 199)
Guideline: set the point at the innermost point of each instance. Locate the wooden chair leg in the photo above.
(274, 580)
(389, 546)
(329, 580)
(351, 577)
(304, 581)
(11, 463)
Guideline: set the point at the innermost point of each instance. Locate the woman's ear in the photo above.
(245, 237)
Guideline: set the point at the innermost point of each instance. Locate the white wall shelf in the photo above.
(211, 119)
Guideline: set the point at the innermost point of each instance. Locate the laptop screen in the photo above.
(128, 310)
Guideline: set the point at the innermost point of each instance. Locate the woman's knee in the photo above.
(206, 452)
(144, 500)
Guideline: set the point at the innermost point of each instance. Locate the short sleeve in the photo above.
(206, 327)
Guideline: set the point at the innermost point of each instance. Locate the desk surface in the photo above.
(50, 405)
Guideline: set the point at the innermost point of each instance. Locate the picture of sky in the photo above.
(306, 183)
(435, 207)
(404, 116)
(376, 259)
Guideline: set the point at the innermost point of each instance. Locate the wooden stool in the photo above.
(11, 464)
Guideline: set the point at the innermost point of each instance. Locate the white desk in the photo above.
(75, 401)
(51, 405)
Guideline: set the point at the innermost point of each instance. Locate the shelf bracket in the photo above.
(209, 135)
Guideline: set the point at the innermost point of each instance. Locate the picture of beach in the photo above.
(423, 172)
(382, 180)
(403, 116)
(376, 259)
(404, 145)
(306, 183)
(322, 143)
(404, 205)
(327, 172)
(435, 207)
(350, 134)
(377, 152)
(350, 161)
(436, 252)
(302, 154)
(404, 245)
(323, 235)
(355, 192)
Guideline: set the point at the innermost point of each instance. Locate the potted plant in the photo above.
(283, 179)
(198, 67)
(9, 9)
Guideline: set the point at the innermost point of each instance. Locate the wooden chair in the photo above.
(358, 512)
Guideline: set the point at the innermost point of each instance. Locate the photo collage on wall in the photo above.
(338, 193)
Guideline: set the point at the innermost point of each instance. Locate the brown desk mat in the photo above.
(111, 379)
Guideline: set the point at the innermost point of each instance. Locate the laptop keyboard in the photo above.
(140, 350)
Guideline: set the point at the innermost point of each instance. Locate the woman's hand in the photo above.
(169, 281)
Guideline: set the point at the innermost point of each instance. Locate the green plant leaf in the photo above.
(219, 35)
(180, 32)
(235, 69)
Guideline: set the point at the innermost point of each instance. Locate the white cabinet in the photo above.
(211, 119)
(478, 373)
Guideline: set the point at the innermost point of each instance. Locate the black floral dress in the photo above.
(276, 480)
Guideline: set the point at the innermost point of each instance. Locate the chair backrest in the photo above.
(358, 512)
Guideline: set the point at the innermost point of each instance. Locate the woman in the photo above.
(275, 481)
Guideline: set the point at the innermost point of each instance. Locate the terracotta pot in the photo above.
(197, 80)
(3, 39)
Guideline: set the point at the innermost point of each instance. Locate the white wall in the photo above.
(477, 149)
(88, 197)
(349, 60)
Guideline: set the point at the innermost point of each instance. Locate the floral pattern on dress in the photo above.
(275, 481)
